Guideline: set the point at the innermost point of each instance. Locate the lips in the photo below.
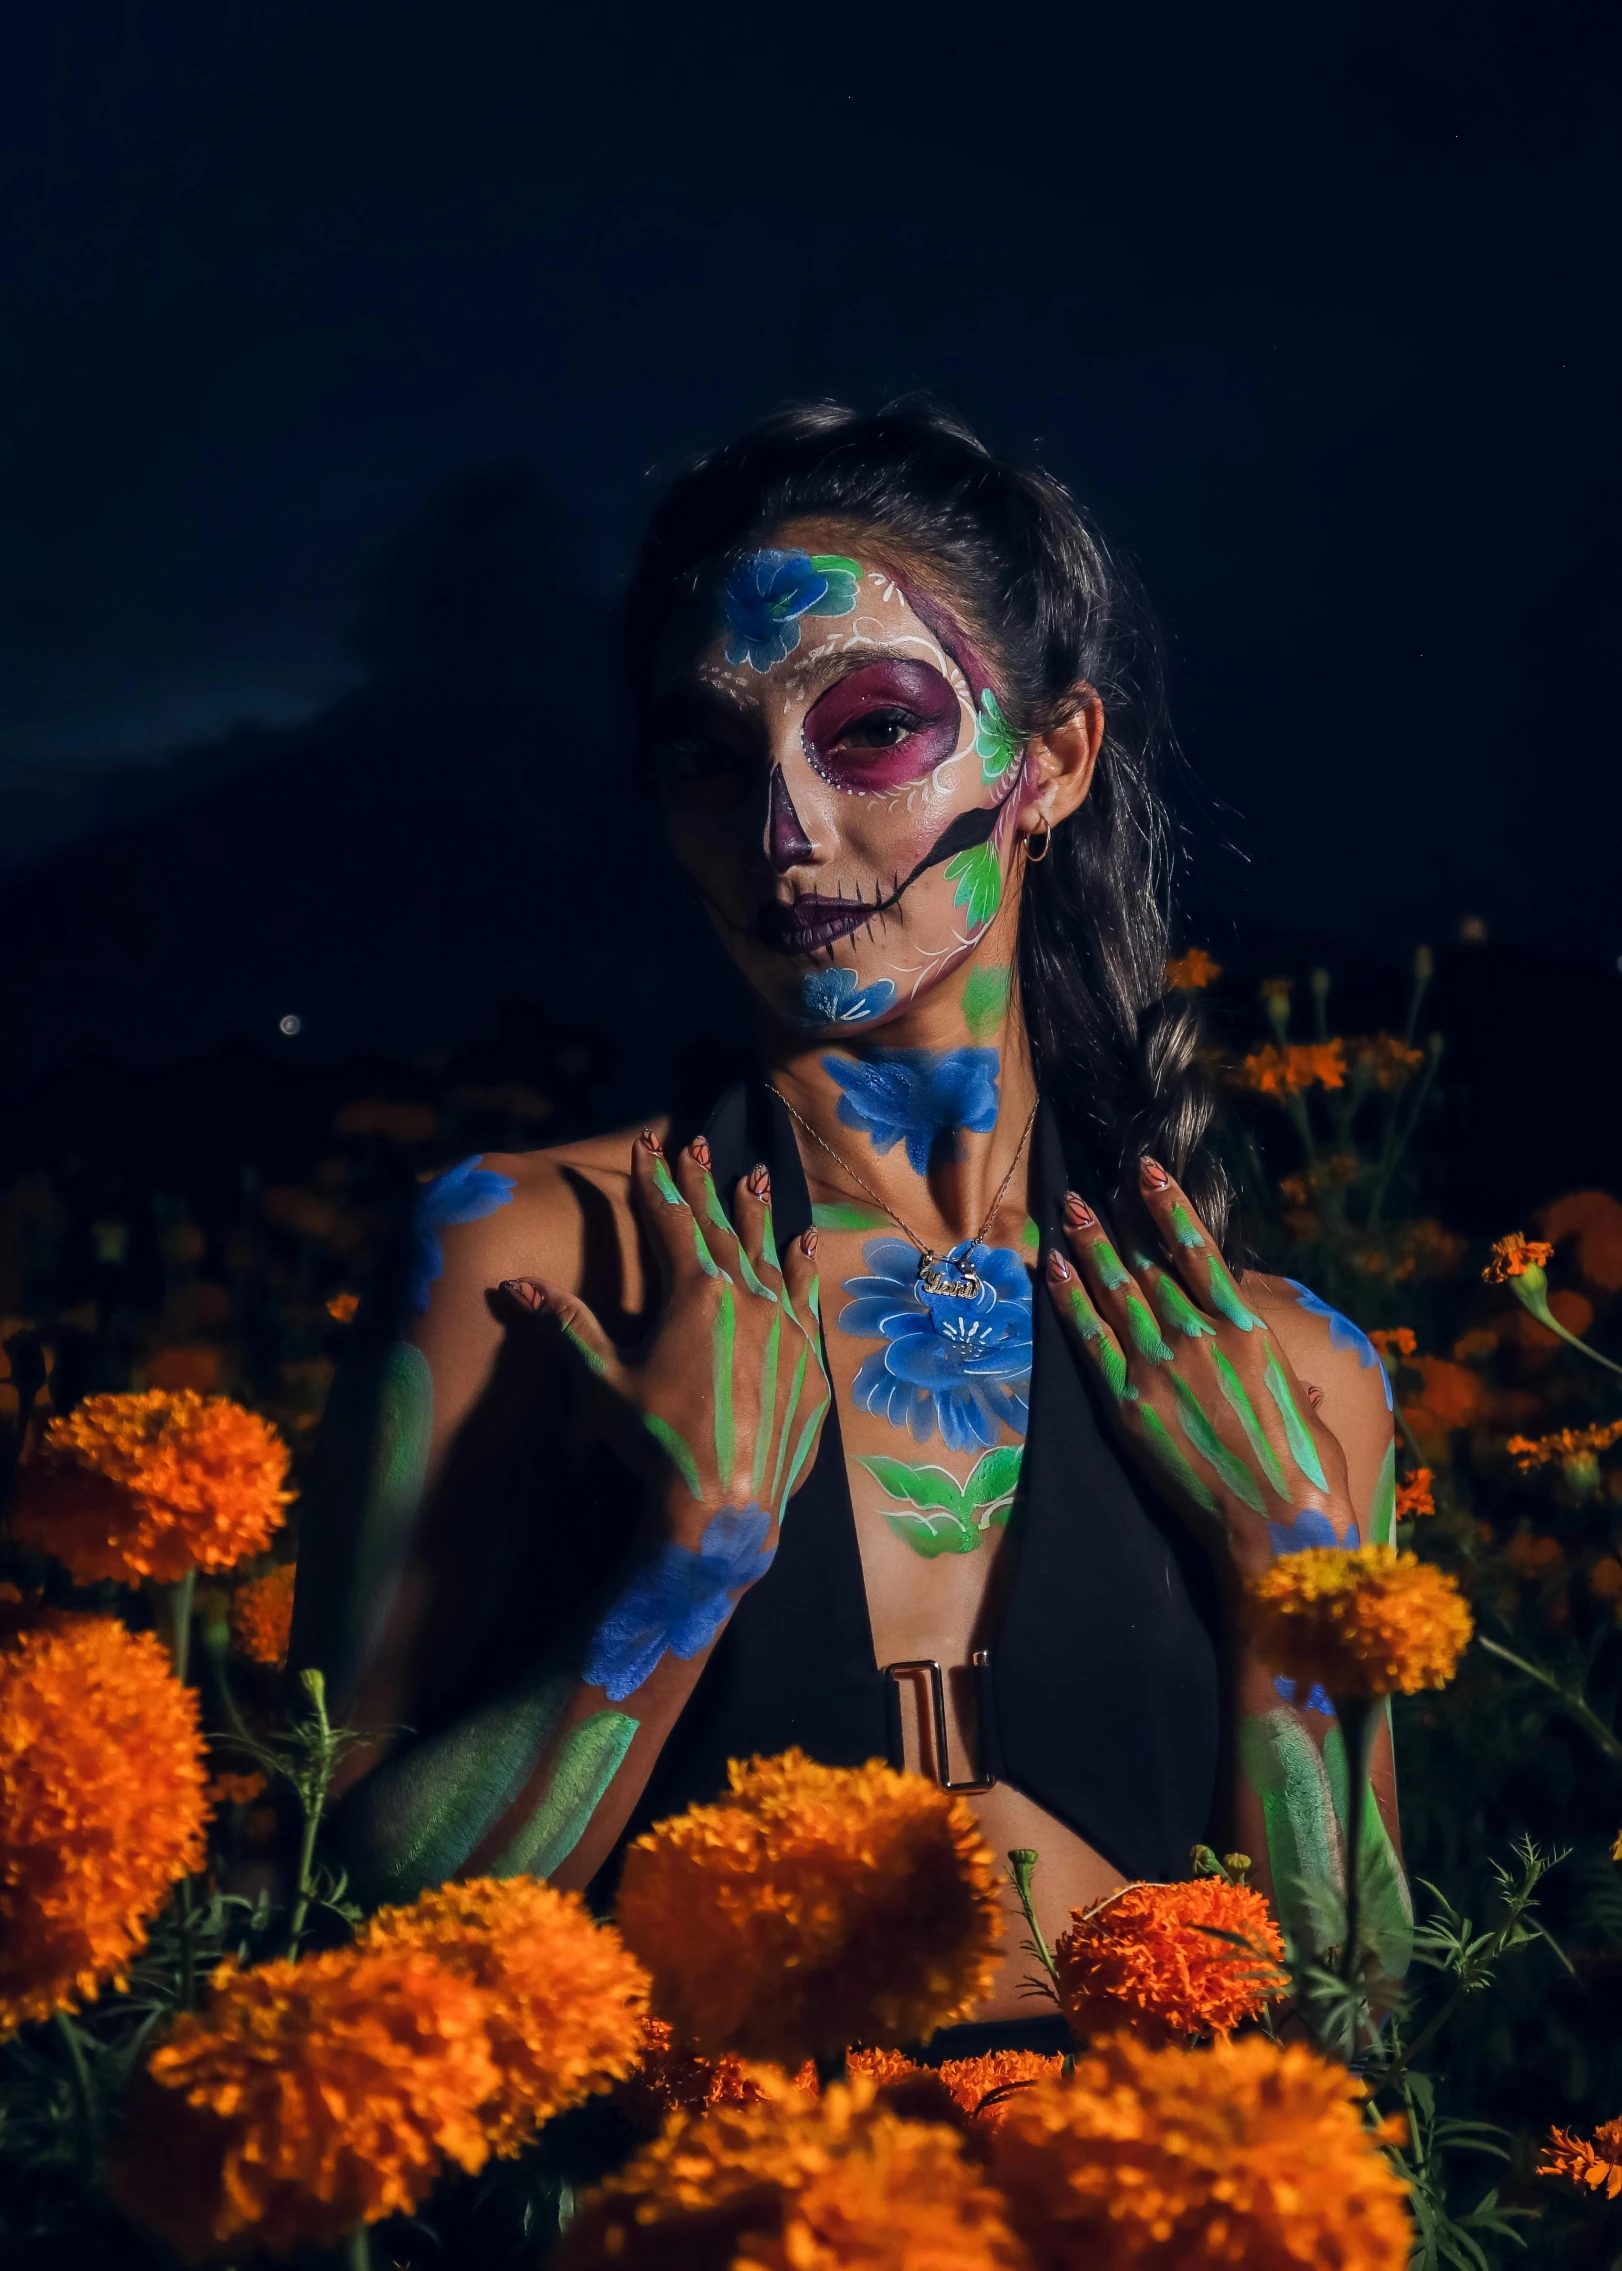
(807, 924)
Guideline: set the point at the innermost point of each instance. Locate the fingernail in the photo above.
(652, 1141)
(1315, 1396)
(1058, 1267)
(1154, 1175)
(760, 1182)
(1078, 1213)
(701, 1152)
(808, 1244)
(525, 1291)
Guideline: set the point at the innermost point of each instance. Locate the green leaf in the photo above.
(978, 876)
(933, 1534)
(919, 1486)
(835, 564)
(995, 742)
(994, 1475)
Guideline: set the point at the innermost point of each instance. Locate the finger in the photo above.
(751, 1224)
(717, 1237)
(1115, 1293)
(1085, 1326)
(554, 1308)
(1179, 1317)
(1197, 1255)
(805, 1394)
(666, 1216)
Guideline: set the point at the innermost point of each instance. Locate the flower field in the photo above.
(209, 2053)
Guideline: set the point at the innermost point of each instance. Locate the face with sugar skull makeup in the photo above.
(841, 783)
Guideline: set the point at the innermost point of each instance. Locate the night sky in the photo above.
(1319, 316)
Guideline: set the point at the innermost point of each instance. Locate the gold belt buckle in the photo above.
(921, 1667)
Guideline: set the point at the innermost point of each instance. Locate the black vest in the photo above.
(1102, 1695)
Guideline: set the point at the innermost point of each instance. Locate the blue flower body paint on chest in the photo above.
(960, 1362)
(921, 1098)
(678, 1604)
(466, 1193)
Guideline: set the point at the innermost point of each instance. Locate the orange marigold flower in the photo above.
(1288, 1070)
(1530, 1452)
(672, 2076)
(1396, 1342)
(1596, 1218)
(307, 2098)
(235, 1789)
(262, 1616)
(1452, 1396)
(1363, 1621)
(985, 2086)
(192, 1364)
(790, 2183)
(814, 1907)
(566, 2001)
(102, 1806)
(1605, 1579)
(1242, 2154)
(1513, 1256)
(1533, 1557)
(1481, 1342)
(343, 1306)
(1595, 2164)
(152, 1485)
(1190, 973)
(1616, 1847)
(1149, 1959)
(1384, 1060)
(1416, 1495)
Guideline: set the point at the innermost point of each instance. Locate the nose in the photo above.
(787, 844)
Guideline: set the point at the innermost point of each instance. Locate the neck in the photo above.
(923, 1115)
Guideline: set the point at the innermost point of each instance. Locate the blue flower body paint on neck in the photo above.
(921, 1098)
(767, 593)
(1342, 1332)
(962, 1365)
(462, 1194)
(678, 1604)
(834, 997)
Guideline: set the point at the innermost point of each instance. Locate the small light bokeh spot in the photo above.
(290, 1025)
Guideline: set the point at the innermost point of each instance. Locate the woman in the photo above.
(909, 1405)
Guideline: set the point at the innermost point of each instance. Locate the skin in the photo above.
(781, 814)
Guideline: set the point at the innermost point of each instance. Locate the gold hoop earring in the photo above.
(1035, 859)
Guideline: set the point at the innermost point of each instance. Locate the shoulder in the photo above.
(563, 1214)
(1327, 1352)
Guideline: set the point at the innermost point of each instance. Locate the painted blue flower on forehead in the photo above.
(767, 593)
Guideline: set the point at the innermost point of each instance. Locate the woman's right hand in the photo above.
(722, 1405)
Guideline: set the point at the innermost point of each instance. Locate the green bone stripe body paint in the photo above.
(1106, 1355)
(1197, 1427)
(1165, 1453)
(1110, 1267)
(723, 1341)
(782, 1449)
(1225, 1298)
(768, 1405)
(586, 1353)
(717, 1214)
(1385, 1901)
(1178, 1310)
(1146, 1336)
(1183, 1228)
(1383, 1506)
(1280, 1761)
(1234, 1389)
(845, 1216)
(768, 1240)
(664, 1185)
(1296, 1432)
(676, 1449)
(952, 1516)
(587, 1763)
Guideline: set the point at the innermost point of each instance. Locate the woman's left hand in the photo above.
(1202, 1395)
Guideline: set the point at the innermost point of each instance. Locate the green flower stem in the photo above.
(177, 1599)
(84, 2101)
(1539, 1308)
(1571, 1700)
(1358, 1720)
(1021, 1869)
(314, 1783)
(359, 2249)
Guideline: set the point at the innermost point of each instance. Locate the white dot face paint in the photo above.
(840, 783)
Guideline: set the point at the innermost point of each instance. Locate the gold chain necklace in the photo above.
(958, 1279)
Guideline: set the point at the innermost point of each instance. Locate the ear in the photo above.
(1059, 765)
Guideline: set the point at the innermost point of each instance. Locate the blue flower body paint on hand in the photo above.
(1342, 1332)
(462, 1194)
(1316, 1698)
(767, 593)
(834, 997)
(963, 1366)
(917, 1097)
(1309, 1529)
(678, 1604)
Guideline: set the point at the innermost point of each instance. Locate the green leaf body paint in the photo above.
(1166, 1454)
(586, 1353)
(803, 1447)
(768, 1405)
(1296, 1433)
(835, 564)
(1184, 1230)
(1110, 1267)
(954, 1517)
(723, 1342)
(978, 876)
(706, 1260)
(995, 743)
(1091, 1328)
(1030, 1238)
(1179, 1311)
(1146, 1338)
(985, 998)
(1262, 1451)
(844, 1216)
(676, 1450)
(1383, 1506)
(798, 1382)
(1225, 1299)
(587, 1764)
(1205, 1439)
(717, 1213)
(768, 1239)
(664, 1186)
(1280, 1762)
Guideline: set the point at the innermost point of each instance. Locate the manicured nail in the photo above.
(525, 1291)
(808, 1243)
(1058, 1268)
(1078, 1213)
(652, 1141)
(701, 1152)
(1315, 1396)
(760, 1182)
(1154, 1175)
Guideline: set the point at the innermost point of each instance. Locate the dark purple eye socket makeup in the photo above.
(886, 724)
